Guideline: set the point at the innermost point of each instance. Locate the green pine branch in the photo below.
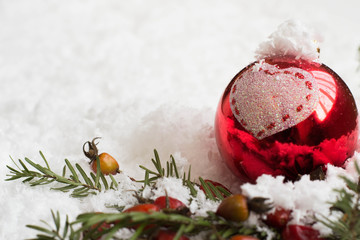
(79, 183)
(215, 193)
(82, 185)
(348, 204)
(217, 227)
(106, 225)
(89, 225)
(58, 233)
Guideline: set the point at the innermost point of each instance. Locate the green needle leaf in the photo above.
(72, 170)
(168, 171)
(12, 169)
(40, 229)
(215, 190)
(65, 188)
(46, 162)
(146, 180)
(38, 167)
(175, 167)
(56, 219)
(24, 166)
(64, 171)
(223, 191)
(83, 174)
(146, 169)
(113, 181)
(98, 171)
(104, 181)
(207, 190)
(190, 185)
(27, 179)
(66, 228)
(138, 231)
(189, 172)
(13, 178)
(179, 232)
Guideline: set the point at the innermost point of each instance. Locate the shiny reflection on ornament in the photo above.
(327, 94)
(327, 136)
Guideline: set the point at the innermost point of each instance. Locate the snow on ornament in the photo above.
(286, 114)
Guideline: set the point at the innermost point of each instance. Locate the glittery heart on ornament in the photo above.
(268, 100)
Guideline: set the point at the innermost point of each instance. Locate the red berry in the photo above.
(300, 232)
(108, 164)
(173, 203)
(243, 237)
(234, 208)
(167, 235)
(147, 207)
(278, 219)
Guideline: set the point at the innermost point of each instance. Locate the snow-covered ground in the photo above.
(140, 74)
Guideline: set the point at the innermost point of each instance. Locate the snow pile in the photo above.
(174, 188)
(292, 38)
(305, 198)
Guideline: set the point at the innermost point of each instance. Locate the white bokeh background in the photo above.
(140, 74)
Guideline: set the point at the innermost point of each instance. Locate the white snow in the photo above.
(198, 205)
(142, 75)
(172, 186)
(292, 38)
(305, 198)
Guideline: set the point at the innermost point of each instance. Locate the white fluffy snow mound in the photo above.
(292, 38)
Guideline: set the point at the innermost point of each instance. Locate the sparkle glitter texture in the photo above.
(268, 100)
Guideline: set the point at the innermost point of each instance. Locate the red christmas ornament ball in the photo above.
(285, 116)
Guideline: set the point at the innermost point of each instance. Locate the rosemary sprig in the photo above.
(215, 193)
(79, 183)
(214, 225)
(107, 225)
(347, 203)
(59, 233)
(89, 226)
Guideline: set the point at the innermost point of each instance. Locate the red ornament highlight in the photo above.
(285, 116)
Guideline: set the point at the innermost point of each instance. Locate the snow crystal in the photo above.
(292, 38)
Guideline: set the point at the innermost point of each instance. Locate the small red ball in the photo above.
(285, 116)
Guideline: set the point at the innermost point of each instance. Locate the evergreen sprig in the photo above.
(58, 233)
(106, 225)
(215, 193)
(216, 227)
(79, 182)
(90, 224)
(347, 203)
